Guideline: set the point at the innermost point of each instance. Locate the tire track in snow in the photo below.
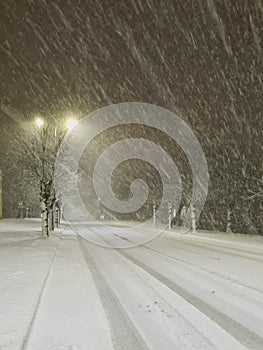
(206, 270)
(124, 333)
(232, 280)
(245, 336)
(249, 255)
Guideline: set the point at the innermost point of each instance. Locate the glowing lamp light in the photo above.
(71, 123)
(39, 122)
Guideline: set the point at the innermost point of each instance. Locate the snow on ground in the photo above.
(70, 315)
(24, 263)
(47, 297)
(201, 291)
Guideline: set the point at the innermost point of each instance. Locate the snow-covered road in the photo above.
(186, 292)
(201, 291)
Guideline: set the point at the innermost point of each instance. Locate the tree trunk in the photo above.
(57, 217)
(251, 227)
(228, 225)
(193, 218)
(44, 195)
(50, 220)
(45, 228)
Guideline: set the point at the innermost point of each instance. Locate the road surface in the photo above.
(181, 291)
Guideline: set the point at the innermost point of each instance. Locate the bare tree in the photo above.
(38, 146)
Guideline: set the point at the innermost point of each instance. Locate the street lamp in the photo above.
(71, 123)
(39, 122)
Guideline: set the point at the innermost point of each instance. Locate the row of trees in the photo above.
(234, 201)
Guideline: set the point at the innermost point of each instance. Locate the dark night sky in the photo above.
(201, 59)
(191, 56)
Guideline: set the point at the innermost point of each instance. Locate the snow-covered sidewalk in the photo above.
(47, 297)
(25, 260)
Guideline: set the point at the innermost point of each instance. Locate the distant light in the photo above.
(71, 123)
(39, 122)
